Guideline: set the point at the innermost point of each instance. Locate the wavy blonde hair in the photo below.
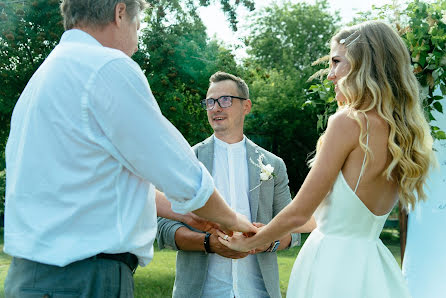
(381, 78)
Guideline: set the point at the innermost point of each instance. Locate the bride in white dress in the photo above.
(377, 148)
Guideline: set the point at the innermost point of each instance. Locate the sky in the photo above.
(218, 26)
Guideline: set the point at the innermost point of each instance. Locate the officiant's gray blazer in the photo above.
(265, 202)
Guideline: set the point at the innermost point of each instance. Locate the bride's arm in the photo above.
(308, 227)
(340, 138)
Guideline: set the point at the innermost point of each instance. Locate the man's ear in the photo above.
(120, 11)
(247, 106)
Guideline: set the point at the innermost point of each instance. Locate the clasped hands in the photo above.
(219, 244)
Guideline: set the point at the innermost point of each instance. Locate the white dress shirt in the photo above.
(88, 143)
(228, 278)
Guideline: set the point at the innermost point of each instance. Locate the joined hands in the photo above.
(222, 247)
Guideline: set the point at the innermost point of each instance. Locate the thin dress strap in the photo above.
(363, 162)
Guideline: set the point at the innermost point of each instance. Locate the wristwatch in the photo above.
(274, 246)
(207, 243)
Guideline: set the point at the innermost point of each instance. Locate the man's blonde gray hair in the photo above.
(96, 13)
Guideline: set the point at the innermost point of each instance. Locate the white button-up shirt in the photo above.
(88, 143)
(228, 278)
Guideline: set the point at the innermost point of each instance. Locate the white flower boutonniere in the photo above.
(266, 171)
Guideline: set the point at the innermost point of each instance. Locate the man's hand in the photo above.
(224, 251)
(199, 223)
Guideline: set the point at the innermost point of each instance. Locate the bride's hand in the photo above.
(263, 248)
(236, 242)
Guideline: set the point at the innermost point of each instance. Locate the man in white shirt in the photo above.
(87, 147)
(254, 182)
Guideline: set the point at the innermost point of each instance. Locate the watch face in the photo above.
(276, 246)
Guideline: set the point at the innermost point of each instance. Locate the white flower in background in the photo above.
(266, 171)
(443, 19)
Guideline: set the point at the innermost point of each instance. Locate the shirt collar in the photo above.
(77, 35)
(222, 144)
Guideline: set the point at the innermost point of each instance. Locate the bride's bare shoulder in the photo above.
(342, 122)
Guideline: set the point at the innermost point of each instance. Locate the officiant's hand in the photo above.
(200, 223)
(220, 249)
(242, 224)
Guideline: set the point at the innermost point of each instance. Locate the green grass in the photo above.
(156, 279)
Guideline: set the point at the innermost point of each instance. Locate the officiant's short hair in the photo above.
(223, 76)
(96, 13)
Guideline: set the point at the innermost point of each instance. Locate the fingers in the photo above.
(224, 251)
(222, 236)
(248, 234)
(258, 224)
(244, 225)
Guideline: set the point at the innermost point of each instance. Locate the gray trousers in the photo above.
(86, 278)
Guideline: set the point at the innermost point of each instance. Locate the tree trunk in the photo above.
(403, 229)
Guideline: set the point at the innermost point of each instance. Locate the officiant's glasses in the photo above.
(224, 101)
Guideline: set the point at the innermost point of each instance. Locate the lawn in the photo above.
(156, 279)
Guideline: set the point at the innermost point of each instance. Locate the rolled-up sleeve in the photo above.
(165, 235)
(142, 139)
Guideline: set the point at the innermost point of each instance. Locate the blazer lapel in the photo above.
(254, 178)
(205, 153)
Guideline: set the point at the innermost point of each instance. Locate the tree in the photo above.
(285, 40)
(291, 36)
(178, 60)
(422, 26)
(228, 7)
(28, 34)
(425, 35)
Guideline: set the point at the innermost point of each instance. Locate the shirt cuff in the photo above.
(295, 239)
(166, 235)
(204, 192)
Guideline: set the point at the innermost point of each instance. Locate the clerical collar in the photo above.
(223, 144)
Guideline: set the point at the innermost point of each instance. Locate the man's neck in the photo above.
(229, 139)
(101, 34)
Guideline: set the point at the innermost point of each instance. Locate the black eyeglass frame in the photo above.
(204, 102)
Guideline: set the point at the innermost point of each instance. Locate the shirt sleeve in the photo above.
(142, 139)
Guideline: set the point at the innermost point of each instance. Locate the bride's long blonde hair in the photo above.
(381, 78)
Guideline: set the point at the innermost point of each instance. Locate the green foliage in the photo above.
(425, 36)
(178, 60)
(229, 7)
(28, 33)
(284, 41)
(321, 97)
(422, 26)
(291, 36)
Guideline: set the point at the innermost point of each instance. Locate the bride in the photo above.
(377, 148)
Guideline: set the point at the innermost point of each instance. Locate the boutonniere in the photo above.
(266, 171)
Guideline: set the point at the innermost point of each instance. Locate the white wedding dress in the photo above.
(344, 257)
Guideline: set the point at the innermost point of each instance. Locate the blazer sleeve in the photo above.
(282, 196)
(165, 236)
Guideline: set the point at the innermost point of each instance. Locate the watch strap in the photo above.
(207, 243)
